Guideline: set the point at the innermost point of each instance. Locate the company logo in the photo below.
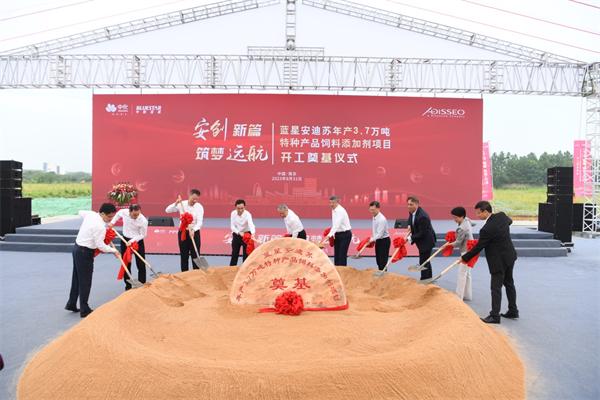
(117, 109)
(433, 112)
(148, 109)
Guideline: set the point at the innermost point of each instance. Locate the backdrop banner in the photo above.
(294, 149)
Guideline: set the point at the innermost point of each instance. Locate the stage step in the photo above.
(27, 239)
(539, 251)
(36, 247)
(43, 238)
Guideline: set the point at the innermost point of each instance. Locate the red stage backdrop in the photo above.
(293, 149)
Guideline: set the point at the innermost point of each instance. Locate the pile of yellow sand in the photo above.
(180, 338)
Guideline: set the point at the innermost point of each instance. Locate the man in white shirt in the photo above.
(89, 239)
(292, 222)
(135, 229)
(186, 247)
(341, 231)
(241, 222)
(380, 235)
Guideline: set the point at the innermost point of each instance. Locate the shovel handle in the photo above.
(180, 206)
(434, 254)
(445, 271)
(136, 253)
(122, 262)
(361, 250)
(390, 260)
(194, 243)
(395, 252)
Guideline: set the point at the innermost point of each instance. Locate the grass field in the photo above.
(519, 201)
(57, 190)
(52, 199)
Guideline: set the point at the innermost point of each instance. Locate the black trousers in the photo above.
(187, 251)
(340, 247)
(81, 280)
(141, 267)
(424, 255)
(382, 252)
(499, 279)
(302, 234)
(236, 243)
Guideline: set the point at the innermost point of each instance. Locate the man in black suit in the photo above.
(494, 237)
(421, 233)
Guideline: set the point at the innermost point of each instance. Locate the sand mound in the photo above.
(180, 338)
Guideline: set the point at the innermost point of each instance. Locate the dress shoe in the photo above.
(511, 314)
(490, 319)
(86, 313)
(70, 307)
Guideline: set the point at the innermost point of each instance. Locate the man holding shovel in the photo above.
(90, 239)
(190, 238)
(135, 229)
(380, 235)
(241, 223)
(421, 233)
(340, 231)
(494, 237)
(292, 222)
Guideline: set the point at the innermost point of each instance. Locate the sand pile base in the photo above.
(180, 338)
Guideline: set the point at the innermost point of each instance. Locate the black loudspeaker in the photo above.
(15, 211)
(556, 218)
(7, 173)
(560, 189)
(10, 192)
(10, 164)
(161, 221)
(559, 198)
(22, 212)
(562, 176)
(401, 224)
(11, 177)
(546, 217)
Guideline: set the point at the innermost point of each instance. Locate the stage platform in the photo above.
(58, 237)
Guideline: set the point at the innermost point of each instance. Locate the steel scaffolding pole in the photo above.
(591, 173)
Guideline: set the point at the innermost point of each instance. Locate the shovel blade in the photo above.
(379, 274)
(430, 280)
(135, 283)
(201, 263)
(415, 268)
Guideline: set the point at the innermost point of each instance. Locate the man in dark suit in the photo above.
(421, 233)
(494, 237)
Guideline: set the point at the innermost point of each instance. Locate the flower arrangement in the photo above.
(122, 193)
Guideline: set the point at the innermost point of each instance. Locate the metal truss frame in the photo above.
(142, 25)
(591, 173)
(311, 72)
(434, 29)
